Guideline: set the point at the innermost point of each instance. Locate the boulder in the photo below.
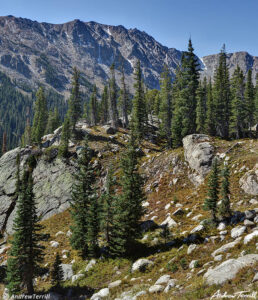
(250, 236)
(238, 231)
(221, 226)
(164, 279)
(171, 284)
(157, 288)
(169, 222)
(229, 269)
(103, 293)
(114, 284)
(67, 270)
(255, 277)
(191, 248)
(141, 265)
(197, 229)
(250, 214)
(249, 181)
(226, 247)
(54, 244)
(198, 153)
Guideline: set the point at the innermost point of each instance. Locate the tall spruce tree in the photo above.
(57, 273)
(104, 106)
(82, 205)
(75, 105)
(128, 206)
(113, 98)
(221, 96)
(139, 118)
(211, 200)
(238, 113)
(93, 106)
(124, 99)
(201, 108)
(53, 121)
(166, 106)
(40, 116)
(256, 103)
(249, 100)
(224, 208)
(210, 120)
(26, 251)
(65, 136)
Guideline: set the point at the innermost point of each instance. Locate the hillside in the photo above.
(186, 263)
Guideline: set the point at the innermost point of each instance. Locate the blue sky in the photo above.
(209, 22)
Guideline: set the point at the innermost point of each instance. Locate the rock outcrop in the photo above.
(198, 153)
(249, 181)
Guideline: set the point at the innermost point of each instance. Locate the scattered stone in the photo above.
(141, 265)
(167, 206)
(224, 232)
(69, 233)
(156, 288)
(179, 205)
(54, 244)
(59, 233)
(249, 181)
(171, 284)
(114, 284)
(250, 236)
(169, 222)
(145, 204)
(191, 248)
(193, 264)
(76, 277)
(197, 229)
(229, 269)
(218, 257)
(255, 277)
(103, 293)
(253, 201)
(222, 226)
(248, 223)
(238, 231)
(226, 247)
(163, 280)
(201, 272)
(90, 265)
(250, 214)
(196, 218)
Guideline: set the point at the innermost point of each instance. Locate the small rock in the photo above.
(54, 244)
(178, 212)
(167, 206)
(169, 222)
(191, 248)
(255, 277)
(163, 280)
(253, 201)
(90, 265)
(171, 284)
(248, 223)
(250, 236)
(59, 233)
(197, 229)
(222, 226)
(196, 218)
(114, 284)
(192, 264)
(238, 231)
(179, 205)
(226, 247)
(218, 257)
(103, 293)
(250, 214)
(156, 288)
(69, 233)
(76, 277)
(224, 232)
(141, 265)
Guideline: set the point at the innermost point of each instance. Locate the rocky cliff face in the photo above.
(243, 59)
(33, 52)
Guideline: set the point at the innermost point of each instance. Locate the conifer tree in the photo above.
(256, 102)
(139, 118)
(26, 251)
(83, 205)
(104, 106)
(4, 143)
(224, 208)
(211, 200)
(128, 206)
(166, 106)
(53, 121)
(57, 273)
(221, 96)
(93, 106)
(249, 100)
(113, 98)
(210, 121)
(75, 105)
(157, 102)
(238, 112)
(124, 99)
(40, 116)
(65, 136)
(201, 108)
(26, 137)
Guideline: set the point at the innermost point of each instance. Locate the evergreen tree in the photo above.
(249, 100)
(221, 96)
(210, 121)
(201, 108)
(124, 99)
(40, 117)
(53, 121)
(57, 273)
(238, 113)
(210, 202)
(75, 106)
(4, 146)
(157, 102)
(104, 106)
(139, 118)
(150, 102)
(113, 98)
(83, 205)
(93, 106)
(224, 208)
(166, 106)
(65, 136)
(26, 137)
(26, 252)
(128, 206)
(256, 102)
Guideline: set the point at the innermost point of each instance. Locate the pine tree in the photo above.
(104, 106)
(57, 273)
(210, 121)
(124, 99)
(256, 102)
(222, 97)
(65, 136)
(40, 117)
(201, 108)
(249, 100)
(83, 203)
(26, 137)
(75, 106)
(93, 106)
(166, 106)
(53, 121)
(128, 206)
(224, 208)
(113, 98)
(157, 102)
(26, 252)
(4, 146)
(210, 202)
(139, 118)
(238, 113)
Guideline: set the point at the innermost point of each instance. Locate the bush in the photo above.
(183, 263)
(172, 267)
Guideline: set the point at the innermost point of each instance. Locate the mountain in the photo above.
(33, 52)
(243, 59)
